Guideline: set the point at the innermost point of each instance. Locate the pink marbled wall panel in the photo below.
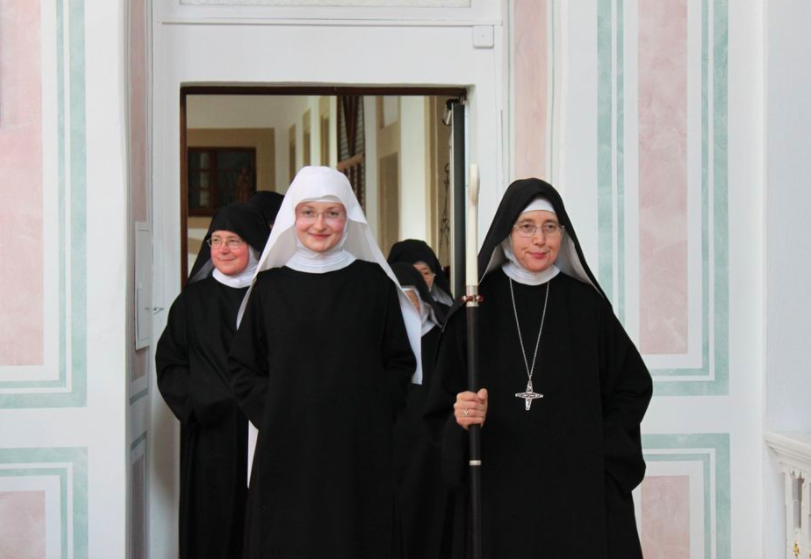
(530, 82)
(21, 226)
(22, 524)
(662, 86)
(666, 517)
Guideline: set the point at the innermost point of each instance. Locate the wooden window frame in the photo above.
(213, 171)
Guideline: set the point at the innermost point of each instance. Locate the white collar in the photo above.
(427, 315)
(514, 270)
(242, 279)
(441, 296)
(306, 260)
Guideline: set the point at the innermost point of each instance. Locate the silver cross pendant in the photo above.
(529, 395)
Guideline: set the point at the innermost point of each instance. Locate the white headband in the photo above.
(540, 203)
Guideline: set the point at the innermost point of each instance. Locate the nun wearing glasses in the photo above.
(564, 393)
(326, 348)
(193, 378)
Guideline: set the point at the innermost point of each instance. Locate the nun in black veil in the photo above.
(192, 367)
(565, 391)
(423, 495)
(418, 254)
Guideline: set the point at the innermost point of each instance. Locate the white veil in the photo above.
(313, 183)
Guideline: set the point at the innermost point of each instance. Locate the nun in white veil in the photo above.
(326, 348)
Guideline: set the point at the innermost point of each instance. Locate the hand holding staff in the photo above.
(472, 301)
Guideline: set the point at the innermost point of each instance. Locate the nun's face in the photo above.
(320, 225)
(539, 250)
(229, 253)
(426, 272)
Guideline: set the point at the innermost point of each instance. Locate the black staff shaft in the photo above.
(475, 430)
(472, 300)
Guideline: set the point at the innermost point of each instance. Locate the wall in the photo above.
(139, 274)
(787, 302)
(63, 359)
(413, 168)
(647, 115)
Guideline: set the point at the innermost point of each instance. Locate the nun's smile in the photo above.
(229, 253)
(320, 225)
(539, 250)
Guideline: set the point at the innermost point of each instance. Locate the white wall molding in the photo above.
(793, 452)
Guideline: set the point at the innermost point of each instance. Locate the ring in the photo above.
(465, 411)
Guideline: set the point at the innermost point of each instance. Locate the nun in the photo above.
(418, 254)
(564, 392)
(193, 378)
(326, 348)
(422, 493)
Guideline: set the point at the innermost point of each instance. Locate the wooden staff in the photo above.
(472, 300)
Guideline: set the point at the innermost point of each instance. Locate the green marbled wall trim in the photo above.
(712, 451)
(717, 358)
(74, 246)
(611, 204)
(50, 462)
(605, 147)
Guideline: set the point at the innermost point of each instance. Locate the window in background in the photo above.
(219, 176)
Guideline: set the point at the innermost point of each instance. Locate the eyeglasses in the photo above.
(330, 216)
(550, 229)
(233, 244)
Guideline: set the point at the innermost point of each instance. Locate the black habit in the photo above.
(320, 365)
(423, 494)
(557, 478)
(192, 367)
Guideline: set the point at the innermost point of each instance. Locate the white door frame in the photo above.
(394, 53)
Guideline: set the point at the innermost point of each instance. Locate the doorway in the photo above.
(393, 144)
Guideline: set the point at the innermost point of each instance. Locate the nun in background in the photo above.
(422, 492)
(418, 254)
(268, 203)
(326, 348)
(565, 391)
(193, 378)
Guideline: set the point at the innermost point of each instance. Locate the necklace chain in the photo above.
(530, 371)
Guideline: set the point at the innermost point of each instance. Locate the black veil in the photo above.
(243, 219)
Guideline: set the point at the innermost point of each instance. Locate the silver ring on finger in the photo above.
(466, 411)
